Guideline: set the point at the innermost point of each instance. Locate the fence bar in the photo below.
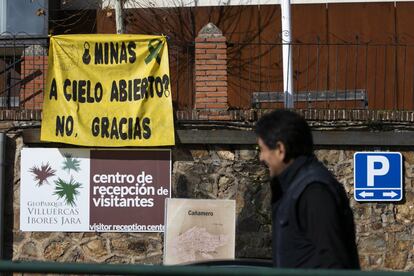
(404, 70)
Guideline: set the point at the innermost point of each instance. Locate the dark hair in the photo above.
(286, 127)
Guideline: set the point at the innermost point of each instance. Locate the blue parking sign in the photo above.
(378, 176)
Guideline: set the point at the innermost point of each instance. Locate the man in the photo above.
(313, 225)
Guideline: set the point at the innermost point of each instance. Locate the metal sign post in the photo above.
(287, 54)
(120, 29)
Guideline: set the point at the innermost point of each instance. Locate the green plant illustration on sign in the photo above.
(42, 173)
(67, 190)
(71, 163)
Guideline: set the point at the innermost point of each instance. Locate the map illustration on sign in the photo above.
(378, 176)
(199, 229)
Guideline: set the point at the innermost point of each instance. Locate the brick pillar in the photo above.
(211, 73)
(33, 75)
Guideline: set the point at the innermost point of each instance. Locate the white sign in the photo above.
(81, 190)
(44, 180)
(199, 229)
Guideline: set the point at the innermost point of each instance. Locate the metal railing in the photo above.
(373, 76)
(23, 66)
(182, 61)
(325, 76)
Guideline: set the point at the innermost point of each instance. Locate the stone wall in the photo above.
(384, 231)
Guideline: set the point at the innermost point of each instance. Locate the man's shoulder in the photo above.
(315, 177)
(315, 171)
(316, 166)
(317, 190)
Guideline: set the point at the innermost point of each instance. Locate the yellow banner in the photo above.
(108, 90)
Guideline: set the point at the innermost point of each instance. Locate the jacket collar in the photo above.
(287, 176)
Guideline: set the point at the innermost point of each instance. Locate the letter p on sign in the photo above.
(372, 171)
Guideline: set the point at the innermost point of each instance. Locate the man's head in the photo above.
(283, 136)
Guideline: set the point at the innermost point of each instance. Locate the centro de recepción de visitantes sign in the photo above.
(82, 190)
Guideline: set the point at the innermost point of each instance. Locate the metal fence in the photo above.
(182, 61)
(23, 67)
(332, 76)
(24, 64)
(325, 76)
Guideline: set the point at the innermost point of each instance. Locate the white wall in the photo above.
(3, 9)
(21, 16)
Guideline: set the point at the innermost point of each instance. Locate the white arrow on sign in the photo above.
(365, 194)
(391, 194)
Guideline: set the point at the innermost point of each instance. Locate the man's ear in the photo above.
(280, 150)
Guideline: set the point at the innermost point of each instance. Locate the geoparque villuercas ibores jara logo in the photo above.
(66, 187)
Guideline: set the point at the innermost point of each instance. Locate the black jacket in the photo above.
(313, 225)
